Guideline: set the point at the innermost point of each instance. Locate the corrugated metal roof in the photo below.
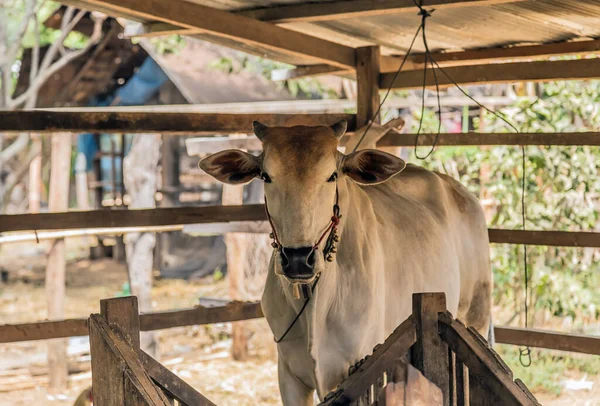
(451, 28)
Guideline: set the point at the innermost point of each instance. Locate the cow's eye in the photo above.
(333, 177)
(265, 176)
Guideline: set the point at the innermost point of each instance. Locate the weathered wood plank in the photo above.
(133, 218)
(108, 387)
(367, 74)
(335, 10)
(173, 384)
(157, 122)
(430, 353)
(234, 311)
(230, 26)
(483, 365)
(114, 361)
(481, 139)
(43, 330)
(548, 339)
(122, 313)
(513, 53)
(497, 73)
(552, 238)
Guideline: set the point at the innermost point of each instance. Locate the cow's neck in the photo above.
(336, 306)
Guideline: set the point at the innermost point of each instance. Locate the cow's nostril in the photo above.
(298, 262)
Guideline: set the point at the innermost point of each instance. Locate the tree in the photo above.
(21, 28)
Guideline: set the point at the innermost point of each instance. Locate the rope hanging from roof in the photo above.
(524, 353)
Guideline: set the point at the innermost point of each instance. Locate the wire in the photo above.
(387, 93)
(524, 352)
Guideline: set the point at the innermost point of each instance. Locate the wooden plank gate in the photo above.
(451, 365)
(123, 374)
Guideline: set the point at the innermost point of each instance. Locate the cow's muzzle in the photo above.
(298, 263)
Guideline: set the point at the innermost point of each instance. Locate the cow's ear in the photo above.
(231, 166)
(369, 166)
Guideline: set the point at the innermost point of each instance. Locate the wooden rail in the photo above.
(548, 339)
(159, 122)
(238, 311)
(236, 215)
(232, 311)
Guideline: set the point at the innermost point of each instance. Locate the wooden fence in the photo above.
(238, 311)
(451, 364)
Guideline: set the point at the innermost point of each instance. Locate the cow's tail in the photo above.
(491, 337)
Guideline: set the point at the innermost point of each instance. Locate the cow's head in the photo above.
(301, 167)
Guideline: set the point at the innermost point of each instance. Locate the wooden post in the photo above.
(118, 376)
(367, 79)
(236, 246)
(430, 352)
(140, 178)
(60, 166)
(123, 314)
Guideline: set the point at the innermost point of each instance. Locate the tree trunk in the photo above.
(140, 170)
(236, 252)
(55, 270)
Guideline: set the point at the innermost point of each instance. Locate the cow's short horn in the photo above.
(339, 128)
(259, 130)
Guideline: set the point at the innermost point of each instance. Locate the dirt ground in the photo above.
(200, 354)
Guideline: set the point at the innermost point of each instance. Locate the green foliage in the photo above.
(562, 185)
(170, 44)
(547, 371)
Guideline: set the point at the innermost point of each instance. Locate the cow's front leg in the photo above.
(293, 391)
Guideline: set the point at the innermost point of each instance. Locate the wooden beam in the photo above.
(336, 10)
(133, 218)
(161, 122)
(488, 55)
(232, 311)
(552, 340)
(280, 108)
(43, 330)
(242, 311)
(255, 212)
(367, 74)
(508, 53)
(480, 139)
(497, 73)
(231, 26)
(551, 238)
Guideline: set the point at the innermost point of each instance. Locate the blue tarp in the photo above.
(136, 92)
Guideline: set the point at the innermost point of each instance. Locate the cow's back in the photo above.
(435, 239)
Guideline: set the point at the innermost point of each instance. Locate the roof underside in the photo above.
(461, 27)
